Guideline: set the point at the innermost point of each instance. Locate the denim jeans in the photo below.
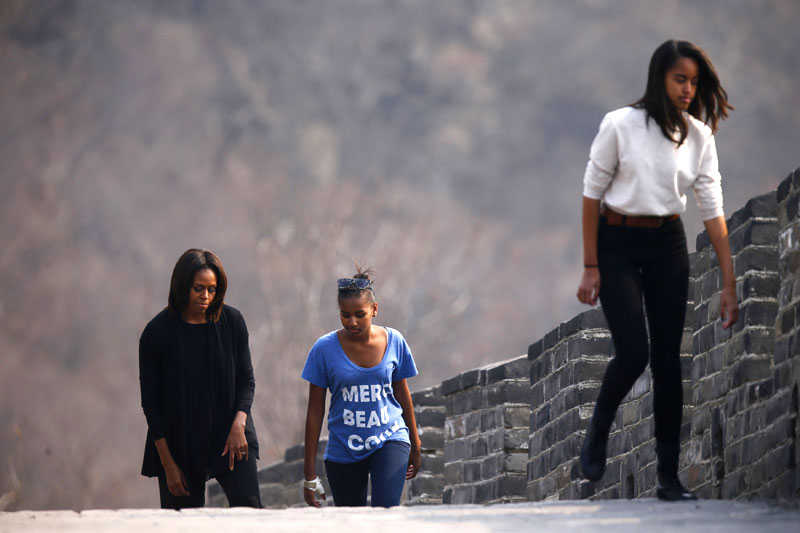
(386, 468)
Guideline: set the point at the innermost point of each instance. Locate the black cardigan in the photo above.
(162, 368)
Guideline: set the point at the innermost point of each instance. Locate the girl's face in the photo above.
(356, 315)
(680, 82)
(202, 291)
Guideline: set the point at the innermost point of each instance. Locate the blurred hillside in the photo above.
(442, 142)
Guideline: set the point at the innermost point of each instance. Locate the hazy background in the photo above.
(443, 142)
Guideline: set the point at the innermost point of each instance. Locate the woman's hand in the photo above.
(176, 480)
(728, 306)
(414, 463)
(718, 235)
(236, 443)
(589, 289)
(310, 497)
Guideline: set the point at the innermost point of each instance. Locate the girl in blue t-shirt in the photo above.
(371, 428)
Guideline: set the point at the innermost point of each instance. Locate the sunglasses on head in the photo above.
(354, 283)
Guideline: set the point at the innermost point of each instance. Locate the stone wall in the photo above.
(734, 423)
(567, 368)
(429, 411)
(787, 327)
(512, 431)
(486, 434)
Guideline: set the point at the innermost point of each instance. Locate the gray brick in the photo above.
(473, 422)
(491, 466)
(430, 397)
(535, 349)
(512, 485)
(432, 463)
(783, 188)
(472, 471)
(550, 339)
(423, 484)
(763, 206)
(432, 439)
(756, 258)
(451, 385)
(429, 416)
(447, 495)
(599, 343)
(271, 474)
(540, 368)
(479, 445)
(456, 450)
(586, 370)
(758, 314)
(454, 473)
(537, 395)
(516, 439)
(516, 369)
(486, 491)
(751, 368)
(458, 403)
(295, 452)
(516, 417)
(461, 494)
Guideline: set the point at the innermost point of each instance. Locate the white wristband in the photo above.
(315, 485)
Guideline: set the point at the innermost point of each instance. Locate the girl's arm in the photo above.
(589, 288)
(403, 396)
(728, 306)
(314, 415)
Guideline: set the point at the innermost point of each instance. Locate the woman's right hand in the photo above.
(176, 480)
(589, 289)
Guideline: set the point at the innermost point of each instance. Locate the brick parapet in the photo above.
(567, 367)
(486, 433)
(735, 426)
(786, 376)
(429, 411)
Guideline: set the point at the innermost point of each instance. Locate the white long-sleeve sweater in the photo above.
(635, 170)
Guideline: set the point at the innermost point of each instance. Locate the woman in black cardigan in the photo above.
(197, 388)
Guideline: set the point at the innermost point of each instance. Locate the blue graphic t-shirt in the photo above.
(364, 412)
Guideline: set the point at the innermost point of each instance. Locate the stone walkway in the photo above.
(652, 516)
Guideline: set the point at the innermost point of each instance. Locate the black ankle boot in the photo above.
(671, 489)
(669, 486)
(593, 451)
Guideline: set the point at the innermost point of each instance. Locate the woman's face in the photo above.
(202, 291)
(356, 314)
(680, 82)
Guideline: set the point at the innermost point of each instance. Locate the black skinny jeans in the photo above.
(644, 268)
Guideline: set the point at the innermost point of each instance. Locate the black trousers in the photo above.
(240, 486)
(644, 269)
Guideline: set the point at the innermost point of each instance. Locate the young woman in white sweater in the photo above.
(635, 257)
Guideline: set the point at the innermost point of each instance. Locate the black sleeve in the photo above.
(245, 378)
(150, 370)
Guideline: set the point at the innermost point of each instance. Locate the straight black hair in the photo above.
(710, 103)
(189, 264)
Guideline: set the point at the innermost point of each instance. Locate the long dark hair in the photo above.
(190, 263)
(710, 103)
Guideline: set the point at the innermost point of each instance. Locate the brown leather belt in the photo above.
(613, 218)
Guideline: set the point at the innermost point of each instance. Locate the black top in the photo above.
(194, 378)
